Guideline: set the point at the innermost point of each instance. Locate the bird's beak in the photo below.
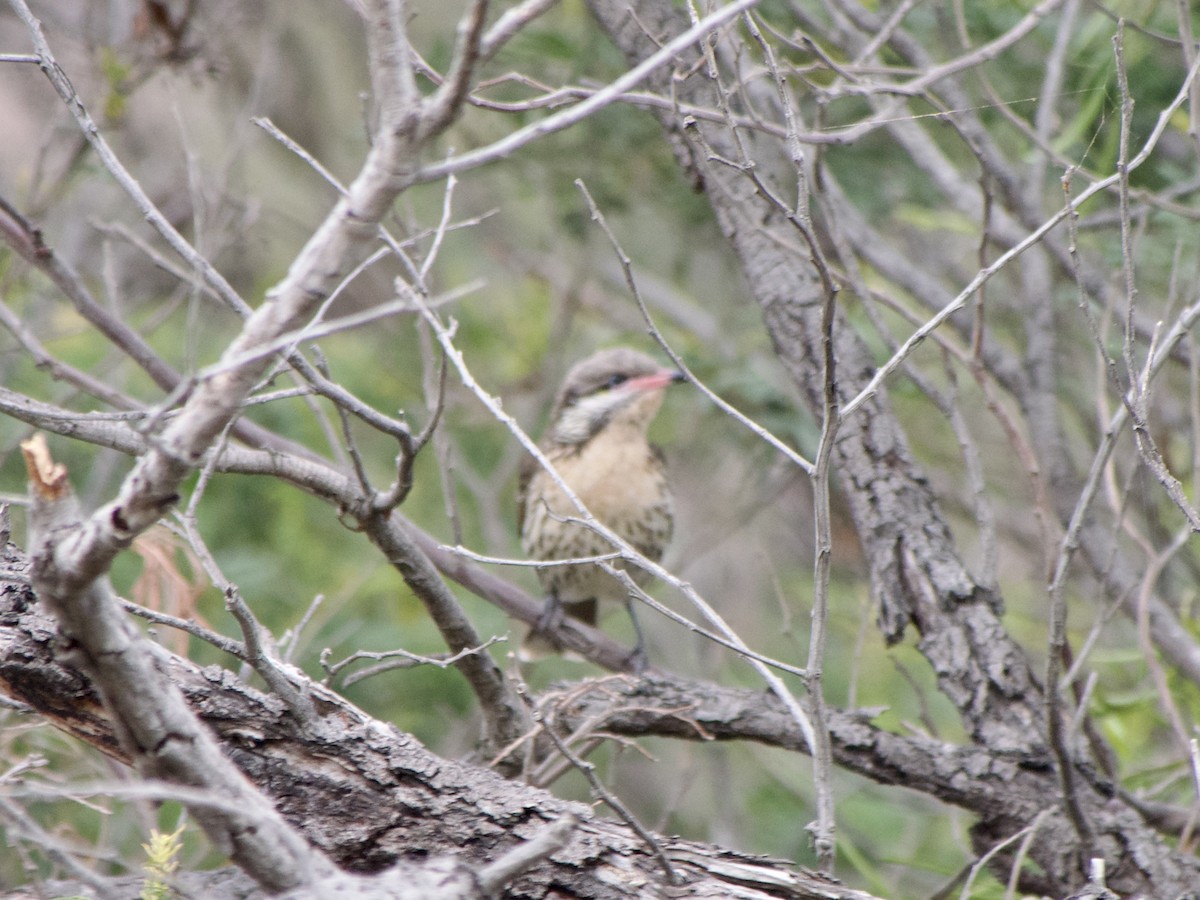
(655, 380)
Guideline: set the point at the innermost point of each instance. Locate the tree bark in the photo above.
(917, 576)
(370, 796)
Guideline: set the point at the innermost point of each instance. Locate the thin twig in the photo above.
(91, 131)
(291, 641)
(588, 770)
(506, 146)
(21, 825)
(1034, 237)
(523, 857)
(631, 283)
(265, 661)
(730, 637)
(408, 658)
(227, 645)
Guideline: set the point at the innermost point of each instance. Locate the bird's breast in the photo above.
(620, 479)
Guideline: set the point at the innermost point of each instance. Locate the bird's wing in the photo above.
(529, 465)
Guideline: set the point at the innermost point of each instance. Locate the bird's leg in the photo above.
(637, 659)
(552, 616)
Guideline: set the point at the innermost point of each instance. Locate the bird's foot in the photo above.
(637, 661)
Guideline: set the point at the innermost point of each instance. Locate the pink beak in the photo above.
(654, 381)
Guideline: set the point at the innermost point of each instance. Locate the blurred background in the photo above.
(185, 112)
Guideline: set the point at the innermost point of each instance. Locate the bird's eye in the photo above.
(614, 380)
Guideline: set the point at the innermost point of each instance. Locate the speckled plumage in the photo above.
(596, 439)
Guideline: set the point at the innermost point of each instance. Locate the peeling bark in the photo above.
(370, 796)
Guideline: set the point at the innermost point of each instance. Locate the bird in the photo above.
(596, 439)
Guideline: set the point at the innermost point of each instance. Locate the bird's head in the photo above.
(612, 387)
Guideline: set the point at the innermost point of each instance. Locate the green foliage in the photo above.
(552, 290)
(116, 73)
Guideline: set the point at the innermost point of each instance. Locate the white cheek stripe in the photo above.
(575, 424)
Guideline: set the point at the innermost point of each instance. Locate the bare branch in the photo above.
(506, 146)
